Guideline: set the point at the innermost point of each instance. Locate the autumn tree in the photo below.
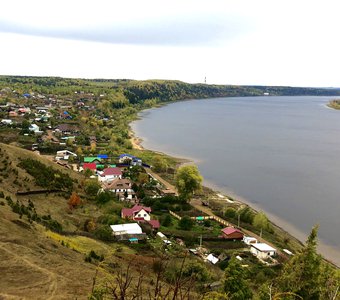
(188, 180)
(74, 200)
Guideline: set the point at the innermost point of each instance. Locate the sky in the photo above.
(242, 42)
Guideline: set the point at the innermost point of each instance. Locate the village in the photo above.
(45, 120)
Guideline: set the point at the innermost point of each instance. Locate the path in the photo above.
(169, 187)
(52, 282)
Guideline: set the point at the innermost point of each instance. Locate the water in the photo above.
(280, 154)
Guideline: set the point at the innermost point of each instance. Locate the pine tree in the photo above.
(302, 274)
(235, 284)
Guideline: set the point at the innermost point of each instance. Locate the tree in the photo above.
(235, 284)
(186, 223)
(92, 187)
(160, 164)
(166, 220)
(74, 200)
(302, 274)
(188, 180)
(261, 221)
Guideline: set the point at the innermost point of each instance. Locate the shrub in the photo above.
(186, 223)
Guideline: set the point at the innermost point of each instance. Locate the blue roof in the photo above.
(126, 154)
(66, 113)
(102, 156)
(133, 239)
(134, 158)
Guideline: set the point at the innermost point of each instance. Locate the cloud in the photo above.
(147, 22)
(179, 31)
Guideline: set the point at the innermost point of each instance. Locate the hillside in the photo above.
(40, 260)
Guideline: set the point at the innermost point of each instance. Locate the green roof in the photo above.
(91, 159)
(101, 166)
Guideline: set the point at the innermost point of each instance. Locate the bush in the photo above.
(230, 213)
(105, 196)
(104, 233)
(186, 223)
(166, 220)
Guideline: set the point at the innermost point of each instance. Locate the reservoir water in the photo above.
(279, 154)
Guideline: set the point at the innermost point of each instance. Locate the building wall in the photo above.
(235, 235)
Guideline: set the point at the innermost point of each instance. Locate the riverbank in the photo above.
(220, 201)
(335, 104)
(269, 164)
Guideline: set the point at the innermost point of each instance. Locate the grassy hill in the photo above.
(42, 261)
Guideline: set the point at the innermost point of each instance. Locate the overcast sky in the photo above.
(251, 42)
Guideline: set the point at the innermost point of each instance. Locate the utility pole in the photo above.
(200, 241)
(238, 220)
(261, 233)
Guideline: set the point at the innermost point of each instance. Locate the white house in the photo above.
(33, 127)
(131, 228)
(110, 174)
(262, 250)
(64, 154)
(6, 121)
(137, 213)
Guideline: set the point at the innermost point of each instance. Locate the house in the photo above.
(65, 155)
(12, 113)
(262, 250)
(155, 224)
(249, 240)
(121, 229)
(121, 187)
(67, 129)
(137, 213)
(33, 127)
(131, 159)
(110, 174)
(92, 159)
(90, 166)
(6, 121)
(232, 233)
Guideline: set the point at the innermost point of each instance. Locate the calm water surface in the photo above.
(281, 154)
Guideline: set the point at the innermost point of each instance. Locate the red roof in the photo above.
(154, 223)
(230, 230)
(112, 171)
(130, 212)
(91, 166)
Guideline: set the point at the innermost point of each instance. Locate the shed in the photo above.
(214, 260)
(249, 240)
(131, 228)
(232, 233)
(262, 250)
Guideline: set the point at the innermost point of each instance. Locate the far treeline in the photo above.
(159, 90)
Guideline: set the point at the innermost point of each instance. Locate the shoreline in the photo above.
(290, 230)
